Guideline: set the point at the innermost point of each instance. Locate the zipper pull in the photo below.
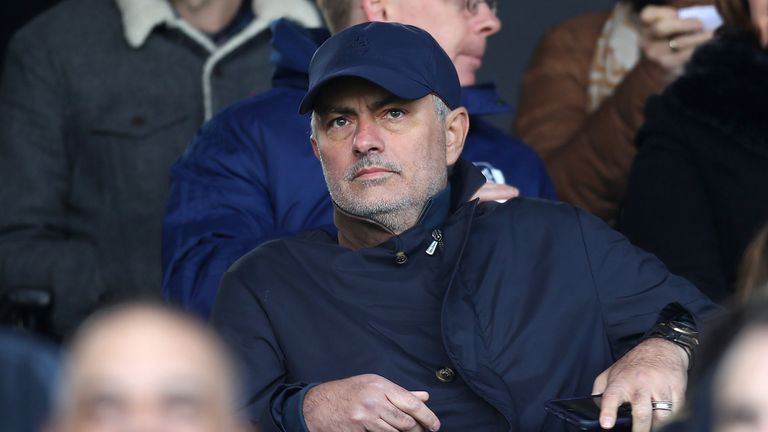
(437, 240)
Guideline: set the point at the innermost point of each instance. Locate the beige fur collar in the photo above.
(140, 17)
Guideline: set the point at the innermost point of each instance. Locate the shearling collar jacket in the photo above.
(97, 100)
(140, 17)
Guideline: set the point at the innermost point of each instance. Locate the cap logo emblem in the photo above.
(359, 44)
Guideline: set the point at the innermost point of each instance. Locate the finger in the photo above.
(667, 28)
(422, 395)
(642, 414)
(613, 396)
(600, 383)
(496, 192)
(399, 420)
(692, 41)
(651, 14)
(381, 426)
(661, 416)
(411, 405)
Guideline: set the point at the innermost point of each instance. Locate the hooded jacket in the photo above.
(539, 298)
(250, 174)
(98, 99)
(697, 192)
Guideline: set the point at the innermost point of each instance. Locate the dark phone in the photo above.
(584, 413)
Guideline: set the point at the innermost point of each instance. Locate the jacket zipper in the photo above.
(437, 240)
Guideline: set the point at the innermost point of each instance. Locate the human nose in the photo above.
(367, 137)
(486, 22)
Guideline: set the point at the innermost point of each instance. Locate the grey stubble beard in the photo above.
(397, 215)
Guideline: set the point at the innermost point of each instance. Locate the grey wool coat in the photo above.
(98, 98)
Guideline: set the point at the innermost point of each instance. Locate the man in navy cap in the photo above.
(428, 310)
(250, 176)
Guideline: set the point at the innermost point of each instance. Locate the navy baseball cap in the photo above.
(403, 59)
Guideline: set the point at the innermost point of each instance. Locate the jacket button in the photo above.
(445, 374)
(401, 258)
(137, 121)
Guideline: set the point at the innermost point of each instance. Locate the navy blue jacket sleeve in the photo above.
(243, 323)
(218, 210)
(633, 286)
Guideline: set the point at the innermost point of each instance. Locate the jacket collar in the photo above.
(293, 47)
(140, 17)
(355, 232)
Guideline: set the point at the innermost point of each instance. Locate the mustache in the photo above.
(371, 161)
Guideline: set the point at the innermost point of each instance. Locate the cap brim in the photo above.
(395, 83)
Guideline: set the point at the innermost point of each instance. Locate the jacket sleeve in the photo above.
(633, 286)
(588, 154)
(243, 323)
(668, 211)
(219, 208)
(38, 248)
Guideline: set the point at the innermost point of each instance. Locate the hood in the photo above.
(725, 86)
(292, 50)
(293, 47)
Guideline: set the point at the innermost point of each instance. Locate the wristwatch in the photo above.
(679, 333)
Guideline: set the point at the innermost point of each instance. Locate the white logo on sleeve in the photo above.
(492, 174)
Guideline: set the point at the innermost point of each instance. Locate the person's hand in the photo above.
(496, 192)
(367, 403)
(655, 370)
(668, 40)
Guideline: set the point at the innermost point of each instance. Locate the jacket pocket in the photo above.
(134, 153)
(124, 170)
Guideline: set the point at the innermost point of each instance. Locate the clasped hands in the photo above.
(655, 370)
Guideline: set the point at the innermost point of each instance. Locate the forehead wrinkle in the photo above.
(389, 99)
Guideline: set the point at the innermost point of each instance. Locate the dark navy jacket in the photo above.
(541, 297)
(250, 174)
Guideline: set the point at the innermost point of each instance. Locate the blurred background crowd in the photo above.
(145, 145)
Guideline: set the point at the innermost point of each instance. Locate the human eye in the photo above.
(184, 406)
(733, 416)
(338, 122)
(395, 113)
(103, 409)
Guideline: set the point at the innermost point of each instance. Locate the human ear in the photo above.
(315, 150)
(375, 10)
(456, 129)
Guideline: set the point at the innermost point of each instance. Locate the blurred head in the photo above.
(386, 120)
(753, 274)
(145, 368)
(461, 27)
(745, 16)
(728, 388)
(741, 384)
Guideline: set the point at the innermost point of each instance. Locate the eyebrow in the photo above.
(373, 106)
(387, 100)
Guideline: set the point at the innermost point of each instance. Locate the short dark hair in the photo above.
(336, 13)
(736, 16)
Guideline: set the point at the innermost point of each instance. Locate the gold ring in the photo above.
(673, 45)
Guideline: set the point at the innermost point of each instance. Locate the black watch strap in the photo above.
(677, 325)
